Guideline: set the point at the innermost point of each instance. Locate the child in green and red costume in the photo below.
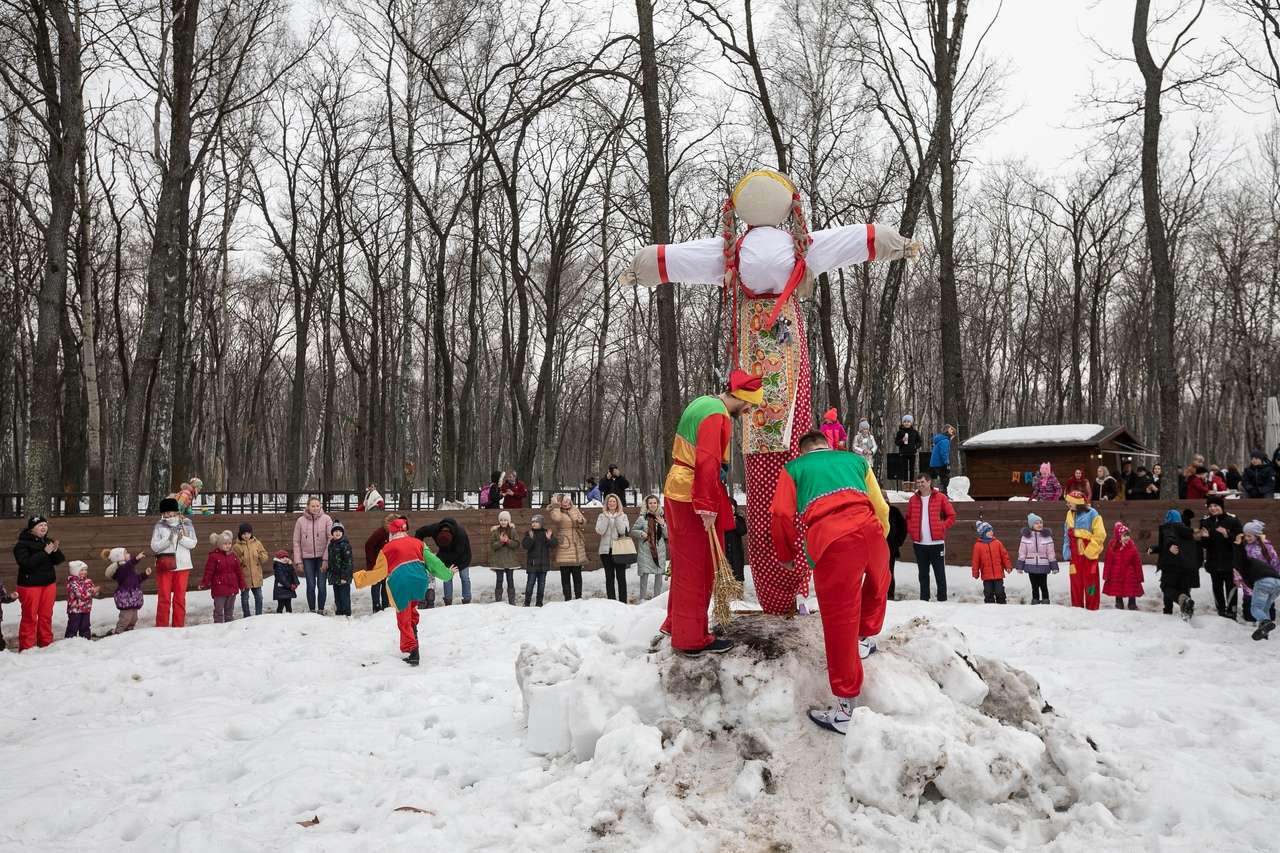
(846, 520)
(408, 566)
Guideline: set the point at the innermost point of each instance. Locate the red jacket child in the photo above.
(222, 575)
(990, 560)
(1122, 569)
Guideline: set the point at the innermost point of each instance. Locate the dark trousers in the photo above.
(615, 578)
(257, 601)
(993, 592)
(893, 585)
(571, 582)
(284, 605)
(342, 599)
(224, 608)
(1171, 597)
(534, 579)
(509, 577)
(1221, 589)
(77, 625)
(906, 466)
(316, 590)
(1039, 587)
(931, 556)
(378, 594)
(942, 475)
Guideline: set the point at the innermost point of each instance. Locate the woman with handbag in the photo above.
(617, 548)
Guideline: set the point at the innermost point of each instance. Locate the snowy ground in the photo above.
(227, 737)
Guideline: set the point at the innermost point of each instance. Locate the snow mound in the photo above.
(943, 741)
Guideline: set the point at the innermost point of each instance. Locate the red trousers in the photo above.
(1084, 582)
(406, 621)
(693, 577)
(852, 580)
(171, 592)
(36, 627)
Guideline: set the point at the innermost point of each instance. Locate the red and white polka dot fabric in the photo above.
(776, 588)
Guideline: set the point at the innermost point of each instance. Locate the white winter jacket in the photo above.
(176, 539)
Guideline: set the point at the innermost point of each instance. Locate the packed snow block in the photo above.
(545, 679)
(997, 763)
(958, 489)
(887, 763)
(898, 687)
(628, 748)
(1013, 696)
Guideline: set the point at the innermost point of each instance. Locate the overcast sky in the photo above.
(1047, 43)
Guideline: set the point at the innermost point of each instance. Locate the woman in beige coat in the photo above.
(567, 523)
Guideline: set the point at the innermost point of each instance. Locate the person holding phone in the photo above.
(38, 557)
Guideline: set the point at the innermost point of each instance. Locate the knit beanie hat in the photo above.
(1033, 519)
(282, 556)
(1120, 530)
(169, 504)
(1173, 517)
(75, 567)
(864, 424)
(1254, 528)
(908, 419)
(985, 532)
(504, 517)
(1045, 469)
(829, 415)
(1258, 454)
(245, 527)
(114, 555)
(537, 519)
(219, 539)
(1214, 500)
(338, 527)
(34, 520)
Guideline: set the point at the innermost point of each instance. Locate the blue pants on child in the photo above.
(257, 601)
(315, 582)
(465, 574)
(534, 580)
(1265, 593)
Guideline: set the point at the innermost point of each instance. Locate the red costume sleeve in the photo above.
(783, 513)
(714, 434)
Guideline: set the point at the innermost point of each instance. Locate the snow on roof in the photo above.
(1030, 436)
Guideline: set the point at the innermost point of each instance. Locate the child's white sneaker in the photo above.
(834, 719)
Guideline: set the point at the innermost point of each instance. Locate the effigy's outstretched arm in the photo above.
(694, 262)
(854, 244)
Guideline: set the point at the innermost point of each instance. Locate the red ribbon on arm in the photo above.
(793, 281)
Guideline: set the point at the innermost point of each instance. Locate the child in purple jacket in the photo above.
(123, 569)
(1036, 557)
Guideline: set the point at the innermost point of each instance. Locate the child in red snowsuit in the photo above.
(846, 520)
(1122, 569)
(990, 563)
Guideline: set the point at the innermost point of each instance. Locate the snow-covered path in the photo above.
(223, 738)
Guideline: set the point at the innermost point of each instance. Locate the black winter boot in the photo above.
(413, 658)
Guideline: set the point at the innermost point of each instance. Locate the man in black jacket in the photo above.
(453, 547)
(614, 483)
(1259, 480)
(1217, 535)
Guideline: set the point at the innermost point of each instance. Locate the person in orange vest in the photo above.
(990, 564)
(407, 565)
(697, 507)
(846, 520)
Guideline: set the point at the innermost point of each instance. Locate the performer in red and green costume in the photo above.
(697, 508)
(846, 519)
(407, 565)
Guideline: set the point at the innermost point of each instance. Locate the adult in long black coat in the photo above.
(1178, 563)
(896, 537)
(453, 547)
(906, 444)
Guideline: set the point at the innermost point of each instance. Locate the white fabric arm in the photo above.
(847, 245)
(694, 262)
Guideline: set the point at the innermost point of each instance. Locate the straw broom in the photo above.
(727, 588)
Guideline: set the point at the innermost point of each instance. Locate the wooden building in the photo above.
(1001, 462)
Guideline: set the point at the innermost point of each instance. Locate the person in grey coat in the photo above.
(650, 533)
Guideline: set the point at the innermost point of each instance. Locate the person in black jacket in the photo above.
(896, 537)
(1143, 488)
(1217, 535)
(453, 547)
(906, 444)
(1178, 563)
(539, 544)
(494, 495)
(734, 551)
(1259, 479)
(37, 557)
(614, 483)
